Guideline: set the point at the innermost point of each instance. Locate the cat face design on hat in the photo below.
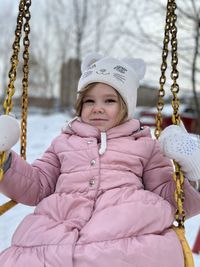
(103, 72)
(120, 69)
(123, 75)
(119, 77)
(116, 75)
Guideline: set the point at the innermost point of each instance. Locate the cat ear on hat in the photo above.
(89, 59)
(138, 65)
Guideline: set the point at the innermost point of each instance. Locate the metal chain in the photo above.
(25, 81)
(24, 14)
(161, 92)
(178, 175)
(171, 35)
(8, 103)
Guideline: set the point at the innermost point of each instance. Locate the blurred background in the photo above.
(64, 31)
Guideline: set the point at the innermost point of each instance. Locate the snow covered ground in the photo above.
(41, 130)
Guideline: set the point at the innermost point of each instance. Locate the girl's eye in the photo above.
(110, 100)
(88, 101)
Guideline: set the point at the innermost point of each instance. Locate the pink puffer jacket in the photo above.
(95, 210)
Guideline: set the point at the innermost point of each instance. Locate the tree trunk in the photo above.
(194, 66)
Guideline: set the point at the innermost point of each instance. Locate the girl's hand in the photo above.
(9, 132)
(176, 143)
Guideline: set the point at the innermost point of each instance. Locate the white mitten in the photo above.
(176, 143)
(9, 132)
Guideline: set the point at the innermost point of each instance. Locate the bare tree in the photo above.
(150, 19)
(191, 15)
(44, 71)
(7, 27)
(80, 21)
(67, 29)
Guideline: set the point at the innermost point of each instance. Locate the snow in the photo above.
(41, 130)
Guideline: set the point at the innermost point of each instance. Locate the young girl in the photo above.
(103, 190)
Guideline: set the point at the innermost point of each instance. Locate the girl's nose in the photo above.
(98, 109)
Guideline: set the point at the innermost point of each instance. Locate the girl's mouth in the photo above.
(98, 119)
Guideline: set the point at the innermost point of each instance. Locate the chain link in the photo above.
(170, 36)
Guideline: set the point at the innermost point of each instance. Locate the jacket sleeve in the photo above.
(157, 178)
(30, 183)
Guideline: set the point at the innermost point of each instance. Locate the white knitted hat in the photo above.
(123, 75)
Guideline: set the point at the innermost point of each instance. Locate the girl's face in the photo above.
(101, 107)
